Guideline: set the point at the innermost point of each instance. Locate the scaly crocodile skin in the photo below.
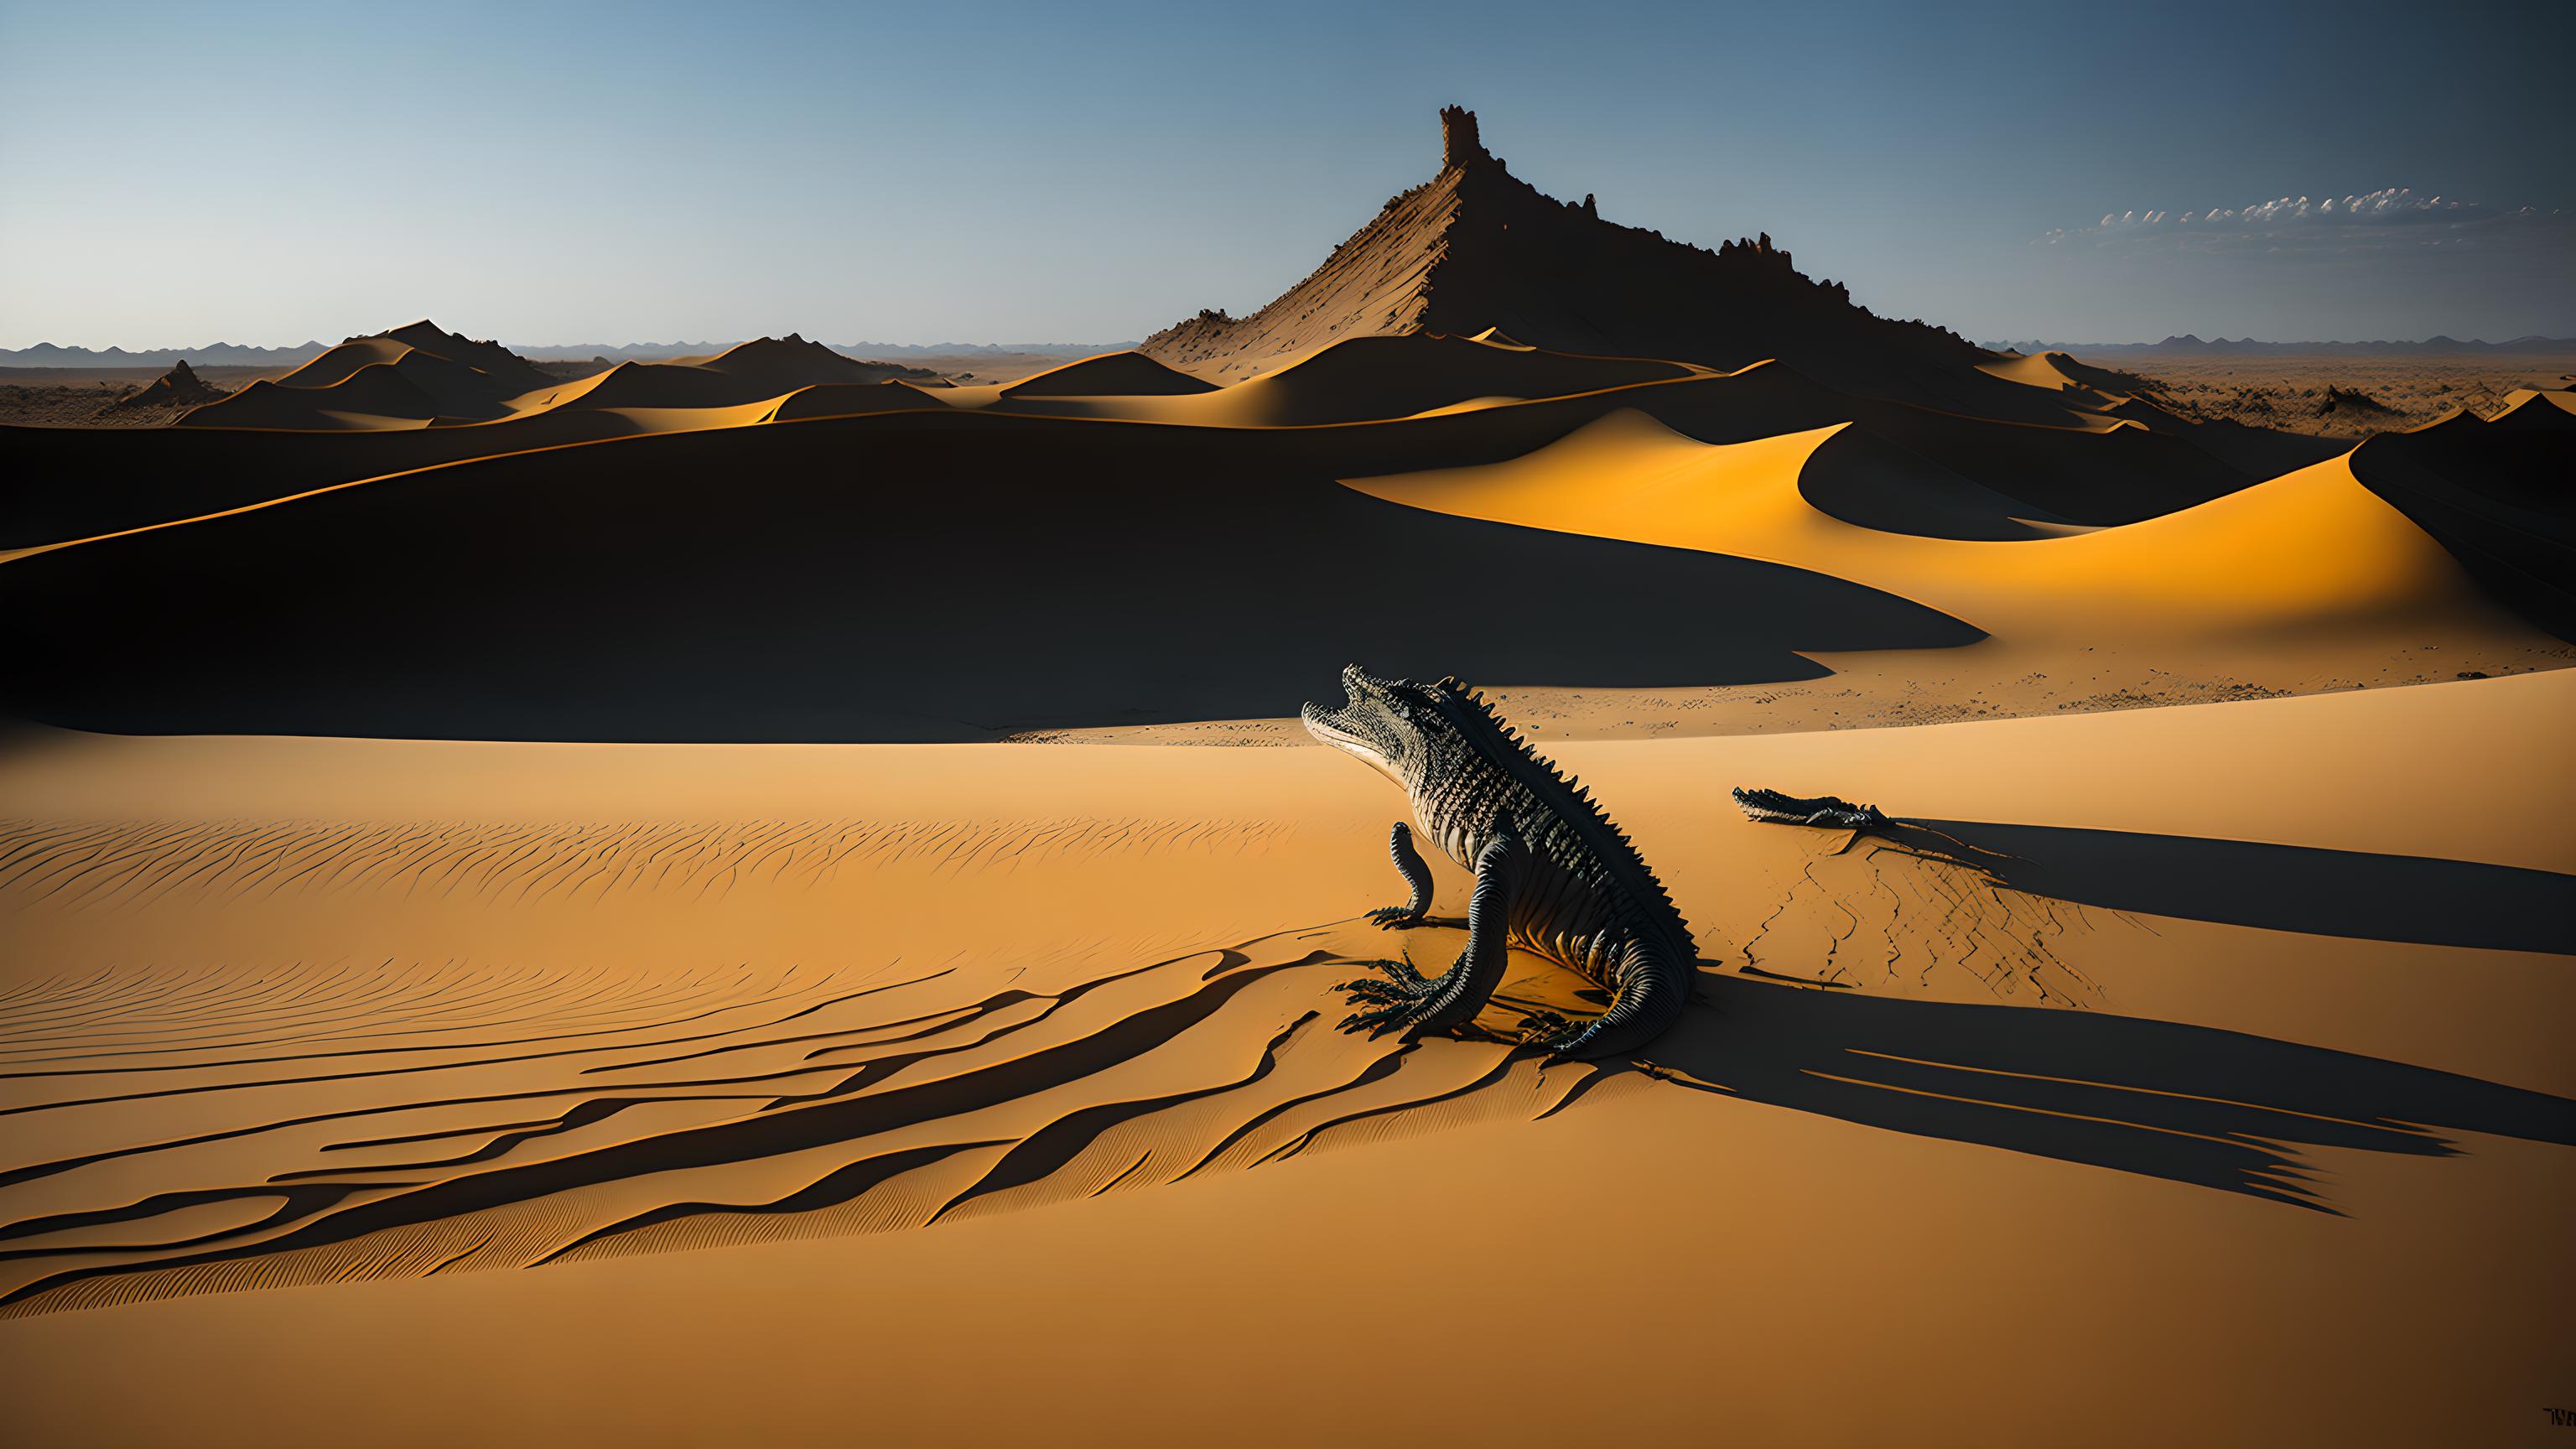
(1553, 874)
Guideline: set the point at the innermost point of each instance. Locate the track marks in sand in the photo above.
(1895, 919)
(322, 1124)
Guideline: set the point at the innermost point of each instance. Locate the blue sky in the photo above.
(554, 173)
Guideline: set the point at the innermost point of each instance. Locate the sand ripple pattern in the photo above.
(109, 866)
(186, 1132)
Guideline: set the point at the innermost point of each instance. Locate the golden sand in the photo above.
(2188, 1073)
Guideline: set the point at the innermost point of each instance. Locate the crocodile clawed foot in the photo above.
(1407, 1001)
(1373, 993)
(1399, 975)
(1395, 918)
(1378, 1022)
(1397, 985)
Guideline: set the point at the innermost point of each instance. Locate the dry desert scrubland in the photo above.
(734, 900)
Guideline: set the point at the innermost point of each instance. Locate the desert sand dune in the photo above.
(337, 365)
(2262, 452)
(1392, 377)
(54, 493)
(2090, 387)
(2306, 553)
(504, 367)
(375, 396)
(828, 529)
(2540, 408)
(58, 484)
(2079, 472)
(2308, 581)
(2496, 495)
(1114, 373)
(844, 399)
(406, 377)
(646, 385)
(710, 392)
(546, 1023)
(1363, 379)
(452, 380)
(2093, 470)
(781, 364)
(1892, 471)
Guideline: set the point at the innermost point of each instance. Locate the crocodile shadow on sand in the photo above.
(2426, 900)
(2191, 1104)
(2187, 1104)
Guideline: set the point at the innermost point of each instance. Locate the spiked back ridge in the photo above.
(1472, 715)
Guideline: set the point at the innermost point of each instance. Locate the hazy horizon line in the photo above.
(1125, 343)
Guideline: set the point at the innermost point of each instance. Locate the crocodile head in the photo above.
(1387, 723)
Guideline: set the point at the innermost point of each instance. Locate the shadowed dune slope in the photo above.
(453, 380)
(2088, 475)
(1110, 374)
(504, 367)
(778, 364)
(1385, 377)
(60, 484)
(335, 366)
(2310, 552)
(599, 593)
(1874, 484)
(405, 377)
(843, 399)
(646, 385)
(1363, 379)
(2532, 407)
(2059, 372)
(378, 395)
(756, 371)
(2497, 495)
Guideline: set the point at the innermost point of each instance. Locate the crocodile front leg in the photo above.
(1417, 874)
(1417, 1005)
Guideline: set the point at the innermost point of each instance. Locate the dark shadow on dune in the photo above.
(835, 582)
(2190, 1104)
(1868, 482)
(2497, 497)
(2423, 899)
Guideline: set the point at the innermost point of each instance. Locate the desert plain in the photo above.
(776, 896)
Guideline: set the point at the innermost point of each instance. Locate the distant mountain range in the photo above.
(2189, 344)
(227, 354)
(213, 354)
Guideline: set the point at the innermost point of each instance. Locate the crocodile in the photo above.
(1553, 874)
(1830, 811)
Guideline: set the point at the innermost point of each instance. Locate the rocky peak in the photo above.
(1459, 143)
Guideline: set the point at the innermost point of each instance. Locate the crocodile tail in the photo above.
(1647, 992)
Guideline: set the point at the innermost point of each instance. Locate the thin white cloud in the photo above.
(2392, 218)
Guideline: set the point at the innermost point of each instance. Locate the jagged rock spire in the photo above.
(1459, 143)
(1474, 248)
